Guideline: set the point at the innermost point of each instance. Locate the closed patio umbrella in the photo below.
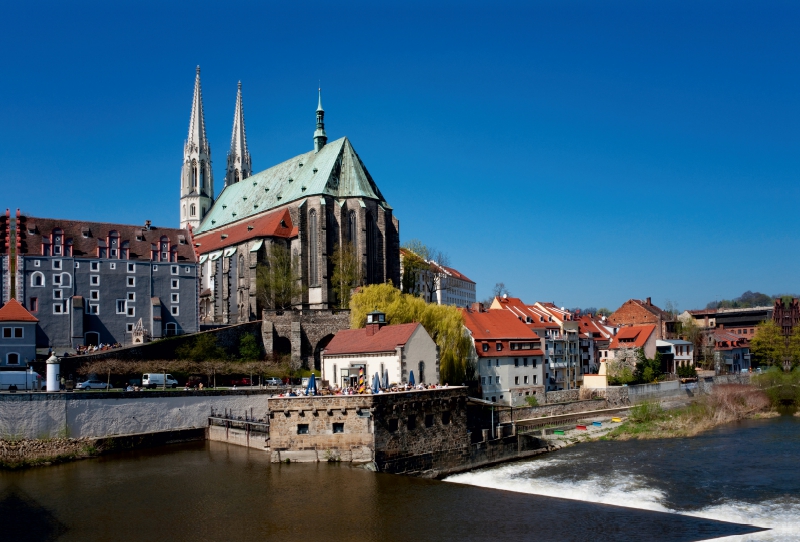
(376, 383)
(311, 389)
(411, 378)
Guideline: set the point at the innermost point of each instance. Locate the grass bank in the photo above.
(725, 404)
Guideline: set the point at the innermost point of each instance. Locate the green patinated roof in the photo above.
(339, 173)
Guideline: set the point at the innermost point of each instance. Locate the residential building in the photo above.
(739, 321)
(91, 282)
(17, 335)
(391, 351)
(596, 334)
(310, 204)
(637, 312)
(439, 284)
(634, 338)
(731, 352)
(507, 355)
(676, 353)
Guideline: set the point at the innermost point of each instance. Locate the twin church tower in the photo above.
(197, 179)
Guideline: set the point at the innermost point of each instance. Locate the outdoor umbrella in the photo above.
(376, 383)
(411, 378)
(362, 385)
(311, 389)
(386, 379)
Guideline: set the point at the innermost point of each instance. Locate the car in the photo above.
(273, 381)
(156, 380)
(92, 385)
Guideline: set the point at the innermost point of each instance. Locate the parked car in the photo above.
(273, 381)
(240, 382)
(92, 385)
(155, 380)
(21, 380)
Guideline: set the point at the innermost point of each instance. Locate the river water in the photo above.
(676, 490)
(745, 472)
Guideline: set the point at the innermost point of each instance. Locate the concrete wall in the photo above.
(645, 392)
(49, 415)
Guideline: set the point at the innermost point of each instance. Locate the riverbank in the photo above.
(725, 404)
(24, 453)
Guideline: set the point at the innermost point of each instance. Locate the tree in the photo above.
(793, 349)
(249, 350)
(620, 368)
(647, 370)
(688, 330)
(444, 323)
(499, 290)
(767, 345)
(202, 348)
(346, 273)
(602, 311)
(414, 267)
(430, 271)
(278, 279)
(671, 308)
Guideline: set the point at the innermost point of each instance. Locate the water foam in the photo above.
(632, 491)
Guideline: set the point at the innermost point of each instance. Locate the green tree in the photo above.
(444, 323)
(278, 279)
(346, 273)
(203, 347)
(688, 330)
(249, 349)
(647, 370)
(602, 311)
(413, 268)
(767, 345)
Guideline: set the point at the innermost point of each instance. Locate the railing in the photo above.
(534, 424)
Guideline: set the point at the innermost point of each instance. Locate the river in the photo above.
(676, 490)
(745, 472)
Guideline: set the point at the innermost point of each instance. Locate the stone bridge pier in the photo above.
(303, 333)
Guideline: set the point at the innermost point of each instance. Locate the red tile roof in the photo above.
(632, 336)
(538, 318)
(275, 224)
(499, 326)
(96, 234)
(356, 341)
(12, 311)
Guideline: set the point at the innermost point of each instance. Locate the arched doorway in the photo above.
(321, 345)
(92, 338)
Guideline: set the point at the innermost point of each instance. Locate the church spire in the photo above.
(239, 166)
(197, 182)
(320, 138)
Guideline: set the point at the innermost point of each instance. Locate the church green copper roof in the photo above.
(336, 170)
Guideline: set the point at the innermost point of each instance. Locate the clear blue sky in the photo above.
(582, 152)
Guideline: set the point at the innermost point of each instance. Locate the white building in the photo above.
(440, 284)
(393, 352)
(682, 352)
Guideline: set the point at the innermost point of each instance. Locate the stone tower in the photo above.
(320, 138)
(239, 166)
(197, 181)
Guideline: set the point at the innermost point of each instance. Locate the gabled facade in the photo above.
(595, 336)
(731, 352)
(633, 338)
(507, 355)
(17, 336)
(90, 282)
(636, 312)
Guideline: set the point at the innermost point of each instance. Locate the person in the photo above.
(63, 383)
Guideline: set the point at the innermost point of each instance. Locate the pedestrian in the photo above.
(63, 383)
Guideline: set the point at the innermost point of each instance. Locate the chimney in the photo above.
(649, 303)
(375, 321)
(477, 307)
(147, 227)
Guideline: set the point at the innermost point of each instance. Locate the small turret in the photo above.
(320, 138)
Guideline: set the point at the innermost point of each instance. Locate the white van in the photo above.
(156, 380)
(23, 380)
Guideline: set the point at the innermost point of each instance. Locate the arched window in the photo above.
(66, 280)
(194, 173)
(371, 267)
(37, 279)
(351, 229)
(421, 368)
(202, 177)
(236, 176)
(192, 210)
(12, 358)
(313, 247)
(241, 267)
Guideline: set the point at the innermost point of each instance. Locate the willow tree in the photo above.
(278, 279)
(444, 323)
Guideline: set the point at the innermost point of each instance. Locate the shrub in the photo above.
(532, 400)
(687, 371)
(646, 412)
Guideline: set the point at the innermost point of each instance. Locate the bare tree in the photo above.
(277, 281)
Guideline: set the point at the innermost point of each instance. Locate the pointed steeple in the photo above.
(239, 166)
(197, 122)
(197, 182)
(320, 138)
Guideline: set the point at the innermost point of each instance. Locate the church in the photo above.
(309, 204)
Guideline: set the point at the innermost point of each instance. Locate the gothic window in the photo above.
(236, 176)
(202, 177)
(421, 372)
(313, 247)
(192, 210)
(37, 279)
(194, 173)
(241, 271)
(351, 229)
(371, 267)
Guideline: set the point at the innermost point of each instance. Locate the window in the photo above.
(95, 266)
(36, 263)
(113, 265)
(77, 265)
(428, 420)
(37, 279)
(121, 307)
(499, 346)
(6, 332)
(131, 281)
(516, 381)
(94, 294)
(33, 304)
(176, 283)
(58, 308)
(497, 380)
(155, 268)
(94, 280)
(411, 423)
(446, 417)
(94, 308)
(131, 267)
(494, 399)
(526, 379)
(131, 296)
(516, 362)
(534, 379)
(188, 269)
(497, 363)
(129, 328)
(338, 428)
(302, 428)
(131, 311)
(485, 347)
(57, 294)
(176, 298)
(57, 279)
(525, 362)
(312, 247)
(12, 358)
(175, 310)
(174, 269)
(56, 264)
(392, 425)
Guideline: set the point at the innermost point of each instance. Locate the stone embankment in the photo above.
(30, 452)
